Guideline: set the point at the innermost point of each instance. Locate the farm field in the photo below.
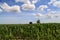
(48, 31)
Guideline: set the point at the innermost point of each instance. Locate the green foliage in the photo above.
(30, 32)
(30, 22)
(38, 21)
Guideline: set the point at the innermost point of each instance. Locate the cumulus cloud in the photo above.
(57, 15)
(48, 10)
(52, 1)
(8, 8)
(28, 6)
(27, 1)
(55, 3)
(38, 15)
(42, 7)
(34, 1)
(52, 14)
(1, 10)
(24, 1)
(49, 15)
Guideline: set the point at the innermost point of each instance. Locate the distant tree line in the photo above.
(38, 22)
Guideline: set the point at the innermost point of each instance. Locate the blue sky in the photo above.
(24, 11)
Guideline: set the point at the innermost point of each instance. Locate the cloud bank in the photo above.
(42, 7)
(1, 10)
(55, 3)
(5, 7)
(28, 7)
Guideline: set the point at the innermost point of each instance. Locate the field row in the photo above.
(30, 32)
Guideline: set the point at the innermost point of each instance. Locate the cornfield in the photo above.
(49, 31)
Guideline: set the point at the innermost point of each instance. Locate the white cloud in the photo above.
(34, 1)
(28, 7)
(27, 4)
(42, 7)
(27, 1)
(52, 1)
(52, 14)
(55, 3)
(38, 15)
(24, 1)
(49, 15)
(1, 10)
(48, 10)
(8, 8)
